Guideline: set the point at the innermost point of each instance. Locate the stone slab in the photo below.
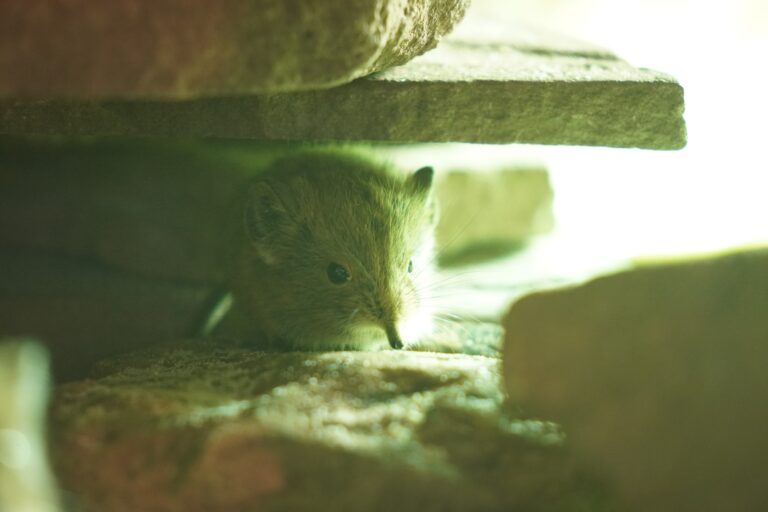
(206, 427)
(177, 49)
(463, 91)
(658, 377)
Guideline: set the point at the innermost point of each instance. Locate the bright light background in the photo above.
(714, 193)
(614, 205)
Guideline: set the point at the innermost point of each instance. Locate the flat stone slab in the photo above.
(538, 89)
(177, 49)
(658, 377)
(198, 427)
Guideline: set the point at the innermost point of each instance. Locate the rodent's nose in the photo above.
(394, 337)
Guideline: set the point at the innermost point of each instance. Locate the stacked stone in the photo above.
(109, 245)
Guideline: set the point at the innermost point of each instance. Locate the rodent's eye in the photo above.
(338, 274)
(410, 266)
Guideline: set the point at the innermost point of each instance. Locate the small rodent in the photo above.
(337, 253)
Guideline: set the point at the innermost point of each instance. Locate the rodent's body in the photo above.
(337, 252)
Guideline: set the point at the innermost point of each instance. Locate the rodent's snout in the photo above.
(393, 337)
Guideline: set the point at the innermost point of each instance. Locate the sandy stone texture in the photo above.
(490, 81)
(658, 376)
(197, 427)
(489, 92)
(191, 48)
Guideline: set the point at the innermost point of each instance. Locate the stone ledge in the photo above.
(203, 427)
(464, 91)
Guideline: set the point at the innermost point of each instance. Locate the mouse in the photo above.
(336, 252)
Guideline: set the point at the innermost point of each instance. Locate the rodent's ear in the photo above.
(421, 180)
(421, 183)
(265, 218)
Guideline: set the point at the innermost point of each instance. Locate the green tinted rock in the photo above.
(658, 377)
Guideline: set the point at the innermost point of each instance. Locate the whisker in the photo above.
(441, 249)
(463, 318)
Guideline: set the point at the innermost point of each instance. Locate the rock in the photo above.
(84, 311)
(487, 214)
(157, 209)
(194, 426)
(182, 49)
(26, 483)
(658, 377)
(492, 91)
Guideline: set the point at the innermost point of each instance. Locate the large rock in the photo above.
(190, 48)
(203, 427)
(658, 376)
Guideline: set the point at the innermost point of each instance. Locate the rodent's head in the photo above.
(346, 247)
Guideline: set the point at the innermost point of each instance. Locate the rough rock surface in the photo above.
(191, 48)
(203, 427)
(658, 377)
(495, 91)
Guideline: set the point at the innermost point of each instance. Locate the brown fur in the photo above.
(315, 208)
